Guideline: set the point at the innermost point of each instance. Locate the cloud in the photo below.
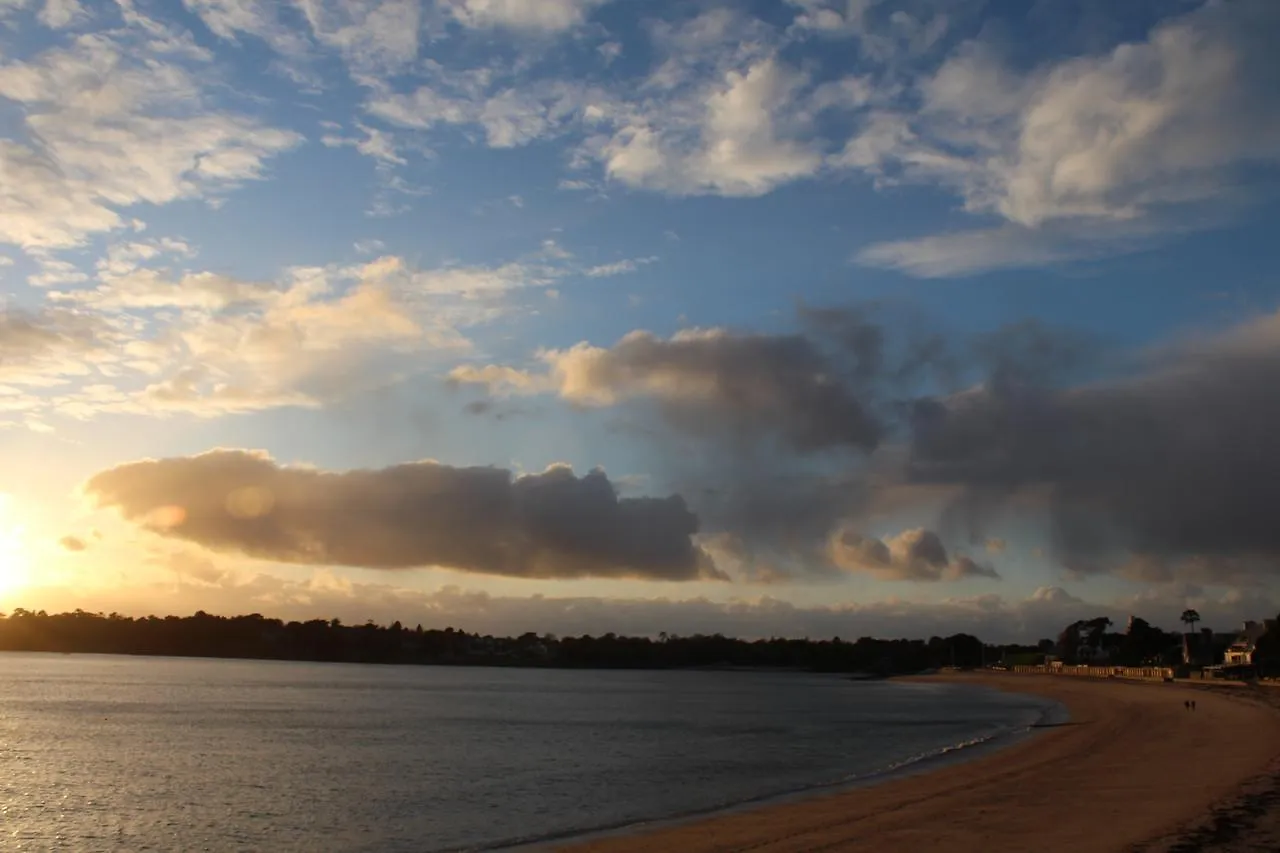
(236, 346)
(228, 19)
(125, 257)
(715, 380)
(212, 587)
(548, 525)
(73, 543)
(144, 338)
(741, 135)
(774, 438)
(912, 555)
(1159, 471)
(109, 131)
(546, 16)
(767, 434)
(884, 31)
(302, 345)
(963, 253)
(511, 114)
(44, 348)
(375, 143)
(623, 267)
(1173, 465)
(58, 14)
(55, 271)
(150, 288)
(374, 37)
(1085, 155)
(719, 112)
(500, 379)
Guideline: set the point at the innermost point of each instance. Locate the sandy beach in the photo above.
(1133, 771)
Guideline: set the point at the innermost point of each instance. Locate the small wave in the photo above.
(934, 754)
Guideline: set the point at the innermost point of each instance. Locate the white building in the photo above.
(1240, 652)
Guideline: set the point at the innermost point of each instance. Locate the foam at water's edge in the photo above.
(1053, 713)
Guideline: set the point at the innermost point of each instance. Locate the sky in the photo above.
(802, 317)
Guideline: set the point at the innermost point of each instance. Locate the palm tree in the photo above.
(1190, 617)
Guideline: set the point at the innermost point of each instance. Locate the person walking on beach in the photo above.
(1186, 704)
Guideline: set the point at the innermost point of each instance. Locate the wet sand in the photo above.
(1133, 771)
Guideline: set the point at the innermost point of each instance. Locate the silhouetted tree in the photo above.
(1266, 651)
(256, 636)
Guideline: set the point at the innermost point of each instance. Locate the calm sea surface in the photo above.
(118, 753)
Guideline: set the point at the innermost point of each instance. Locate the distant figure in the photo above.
(1186, 704)
(1193, 704)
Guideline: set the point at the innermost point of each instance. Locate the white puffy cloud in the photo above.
(58, 14)
(547, 16)
(241, 346)
(229, 19)
(718, 113)
(374, 37)
(55, 271)
(168, 340)
(628, 265)
(39, 206)
(125, 257)
(1085, 155)
(374, 143)
(1009, 246)
(43, 349)
(500, 379)
(109, 131)
(1074, 158)
(741, 137)
(150, 288)
(510, 114)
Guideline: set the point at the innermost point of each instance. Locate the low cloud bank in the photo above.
(549, 525)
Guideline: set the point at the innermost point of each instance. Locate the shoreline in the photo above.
(1054, 714)
(1086, 785)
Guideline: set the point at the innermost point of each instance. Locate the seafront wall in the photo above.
(1147, 673)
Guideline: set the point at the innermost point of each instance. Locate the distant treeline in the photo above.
(255, 636)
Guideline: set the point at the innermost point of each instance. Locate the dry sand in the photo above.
(1133, 771)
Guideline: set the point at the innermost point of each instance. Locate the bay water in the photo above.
(107, 753)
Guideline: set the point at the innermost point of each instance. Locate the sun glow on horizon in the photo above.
(15, 563)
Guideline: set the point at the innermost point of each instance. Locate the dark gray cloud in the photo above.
(781, 439)
(737, 384)
(548, 525)
(498, 411)
(822, 388)
(1178, 464)
(1167, 470)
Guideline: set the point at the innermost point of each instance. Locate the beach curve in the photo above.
(1131, 770)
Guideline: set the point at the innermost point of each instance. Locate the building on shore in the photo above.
(1206, 647)
(1242, 648)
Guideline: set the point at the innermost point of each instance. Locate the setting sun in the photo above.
(14, 563)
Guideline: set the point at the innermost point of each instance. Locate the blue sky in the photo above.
(354, 234)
